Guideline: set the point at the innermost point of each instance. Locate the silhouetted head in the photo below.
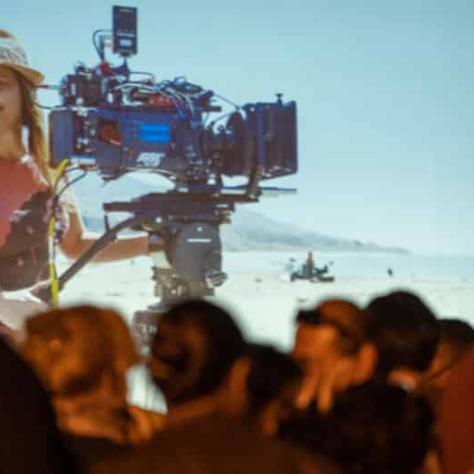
(30, 439)
(263, 386)
(376, 429)
(456, 339)
(457, 333)
(194, 348)
(72, 349)
(271, 373)
(333, 329)
(404, 330)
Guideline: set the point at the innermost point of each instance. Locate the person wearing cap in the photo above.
(26, 193)
(332, 350)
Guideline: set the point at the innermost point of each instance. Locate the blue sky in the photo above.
(384, 90)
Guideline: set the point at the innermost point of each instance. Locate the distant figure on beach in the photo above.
(310, 264)
(390, 272)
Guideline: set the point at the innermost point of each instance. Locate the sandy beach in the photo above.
(263, 299)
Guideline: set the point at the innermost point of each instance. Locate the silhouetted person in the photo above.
(263, 386)
(377, 428)
(332, 349)
(81, 355)
(29, 439)
(405, 333)
(310, 264)
(193, 353)
(456, 339)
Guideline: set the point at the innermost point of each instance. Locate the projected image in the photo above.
(265, 159)
(237, 237)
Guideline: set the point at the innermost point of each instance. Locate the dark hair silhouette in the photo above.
(404, 330)
(377, 429)
(206, 366)
(270, 372)
(30, 441)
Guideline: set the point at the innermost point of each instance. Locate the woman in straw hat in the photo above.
(26, 193)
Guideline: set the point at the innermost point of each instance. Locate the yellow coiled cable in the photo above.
(53, 274)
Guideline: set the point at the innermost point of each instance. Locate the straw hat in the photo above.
(12, 55)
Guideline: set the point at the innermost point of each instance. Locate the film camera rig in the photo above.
(114, 121)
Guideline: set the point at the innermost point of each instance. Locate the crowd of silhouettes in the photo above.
(383, 389)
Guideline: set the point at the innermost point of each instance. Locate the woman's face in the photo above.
(10, 101)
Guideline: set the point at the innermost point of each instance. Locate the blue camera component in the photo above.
(155, 133)
(123, 121)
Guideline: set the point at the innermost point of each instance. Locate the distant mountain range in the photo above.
(249, 229)
(252, 230)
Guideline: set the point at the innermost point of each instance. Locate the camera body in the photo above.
(116, 125)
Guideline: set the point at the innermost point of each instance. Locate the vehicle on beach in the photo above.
(309, 271)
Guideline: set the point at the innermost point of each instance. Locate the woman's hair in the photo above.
(33, 120)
